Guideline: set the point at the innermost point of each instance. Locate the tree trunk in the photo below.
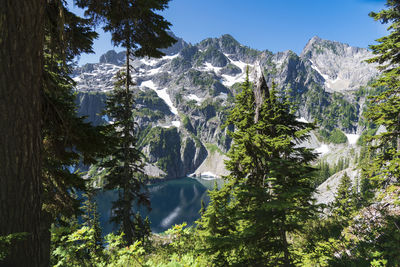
(21, 67)
(127, 203)
(285, 248)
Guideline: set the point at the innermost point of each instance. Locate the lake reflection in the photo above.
(173, 202)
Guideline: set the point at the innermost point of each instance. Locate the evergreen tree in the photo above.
(124, 166)
(21, 53)
(135, 26)
(345, 198)
(269, 190)
(90, 217)
(68, 141)
(385, 107)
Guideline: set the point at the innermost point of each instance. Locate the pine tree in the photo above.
(269, 190)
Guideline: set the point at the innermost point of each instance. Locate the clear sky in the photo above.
(276, 25)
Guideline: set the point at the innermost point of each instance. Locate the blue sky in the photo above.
(276, 25)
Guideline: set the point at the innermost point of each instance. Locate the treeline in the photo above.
(325, 170)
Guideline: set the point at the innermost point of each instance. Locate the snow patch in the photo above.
(302, 119)
(170, 57)
(150, 62)
(228, 80)
(242, 65)
(352, 138)
(223, 96)
(323, 149)
(326, 77)
(161, 94)
(337, 84)
(209, 67)
(195, 98)
(177, 124)
(154, 71)
(208, 176)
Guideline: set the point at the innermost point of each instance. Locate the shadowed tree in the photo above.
(21, 72)
(135, 25)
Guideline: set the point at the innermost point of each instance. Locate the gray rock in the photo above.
(190, 91)
(112, 57)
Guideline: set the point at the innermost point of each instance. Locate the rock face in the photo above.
(326, 191)
(341, 66)
(183, 98)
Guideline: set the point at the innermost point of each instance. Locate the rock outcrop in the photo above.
(183, 98)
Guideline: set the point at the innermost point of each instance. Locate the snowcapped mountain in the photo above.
(183, 98)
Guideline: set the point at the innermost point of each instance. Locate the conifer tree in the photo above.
(21, 53)
(345, 199)
(385, 108)
(135, 26)
(124, 166)
(60, 36)
(68, 141)
(268, 193)
(90, 217)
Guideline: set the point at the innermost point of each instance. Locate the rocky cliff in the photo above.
(183, 98)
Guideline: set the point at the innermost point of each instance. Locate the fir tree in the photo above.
(90, 218)
(385, 107)
(67, 140)
(345, 198)
(269, 190)
(134, 25)
(125, 165)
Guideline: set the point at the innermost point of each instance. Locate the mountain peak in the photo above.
(112, 57)
(314, 39)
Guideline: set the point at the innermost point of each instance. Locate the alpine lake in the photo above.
(172, 202)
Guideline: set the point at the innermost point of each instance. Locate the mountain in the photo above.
(183, 98)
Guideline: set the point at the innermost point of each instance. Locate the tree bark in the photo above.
(21, 66)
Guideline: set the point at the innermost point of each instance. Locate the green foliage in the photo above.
(135, 25)
(366, 136)
(187, 124)
(67, 140)
(384, 109)
(345, 199)
(7, 242)
(212, 148)
(330, 110)
(165, 143)
(335, 136)
(323, 173)
(200, 79)
(124, 162)
(118, 254)
(77, 247)
(269, 191)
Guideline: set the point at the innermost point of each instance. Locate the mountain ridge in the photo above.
(192, 89)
